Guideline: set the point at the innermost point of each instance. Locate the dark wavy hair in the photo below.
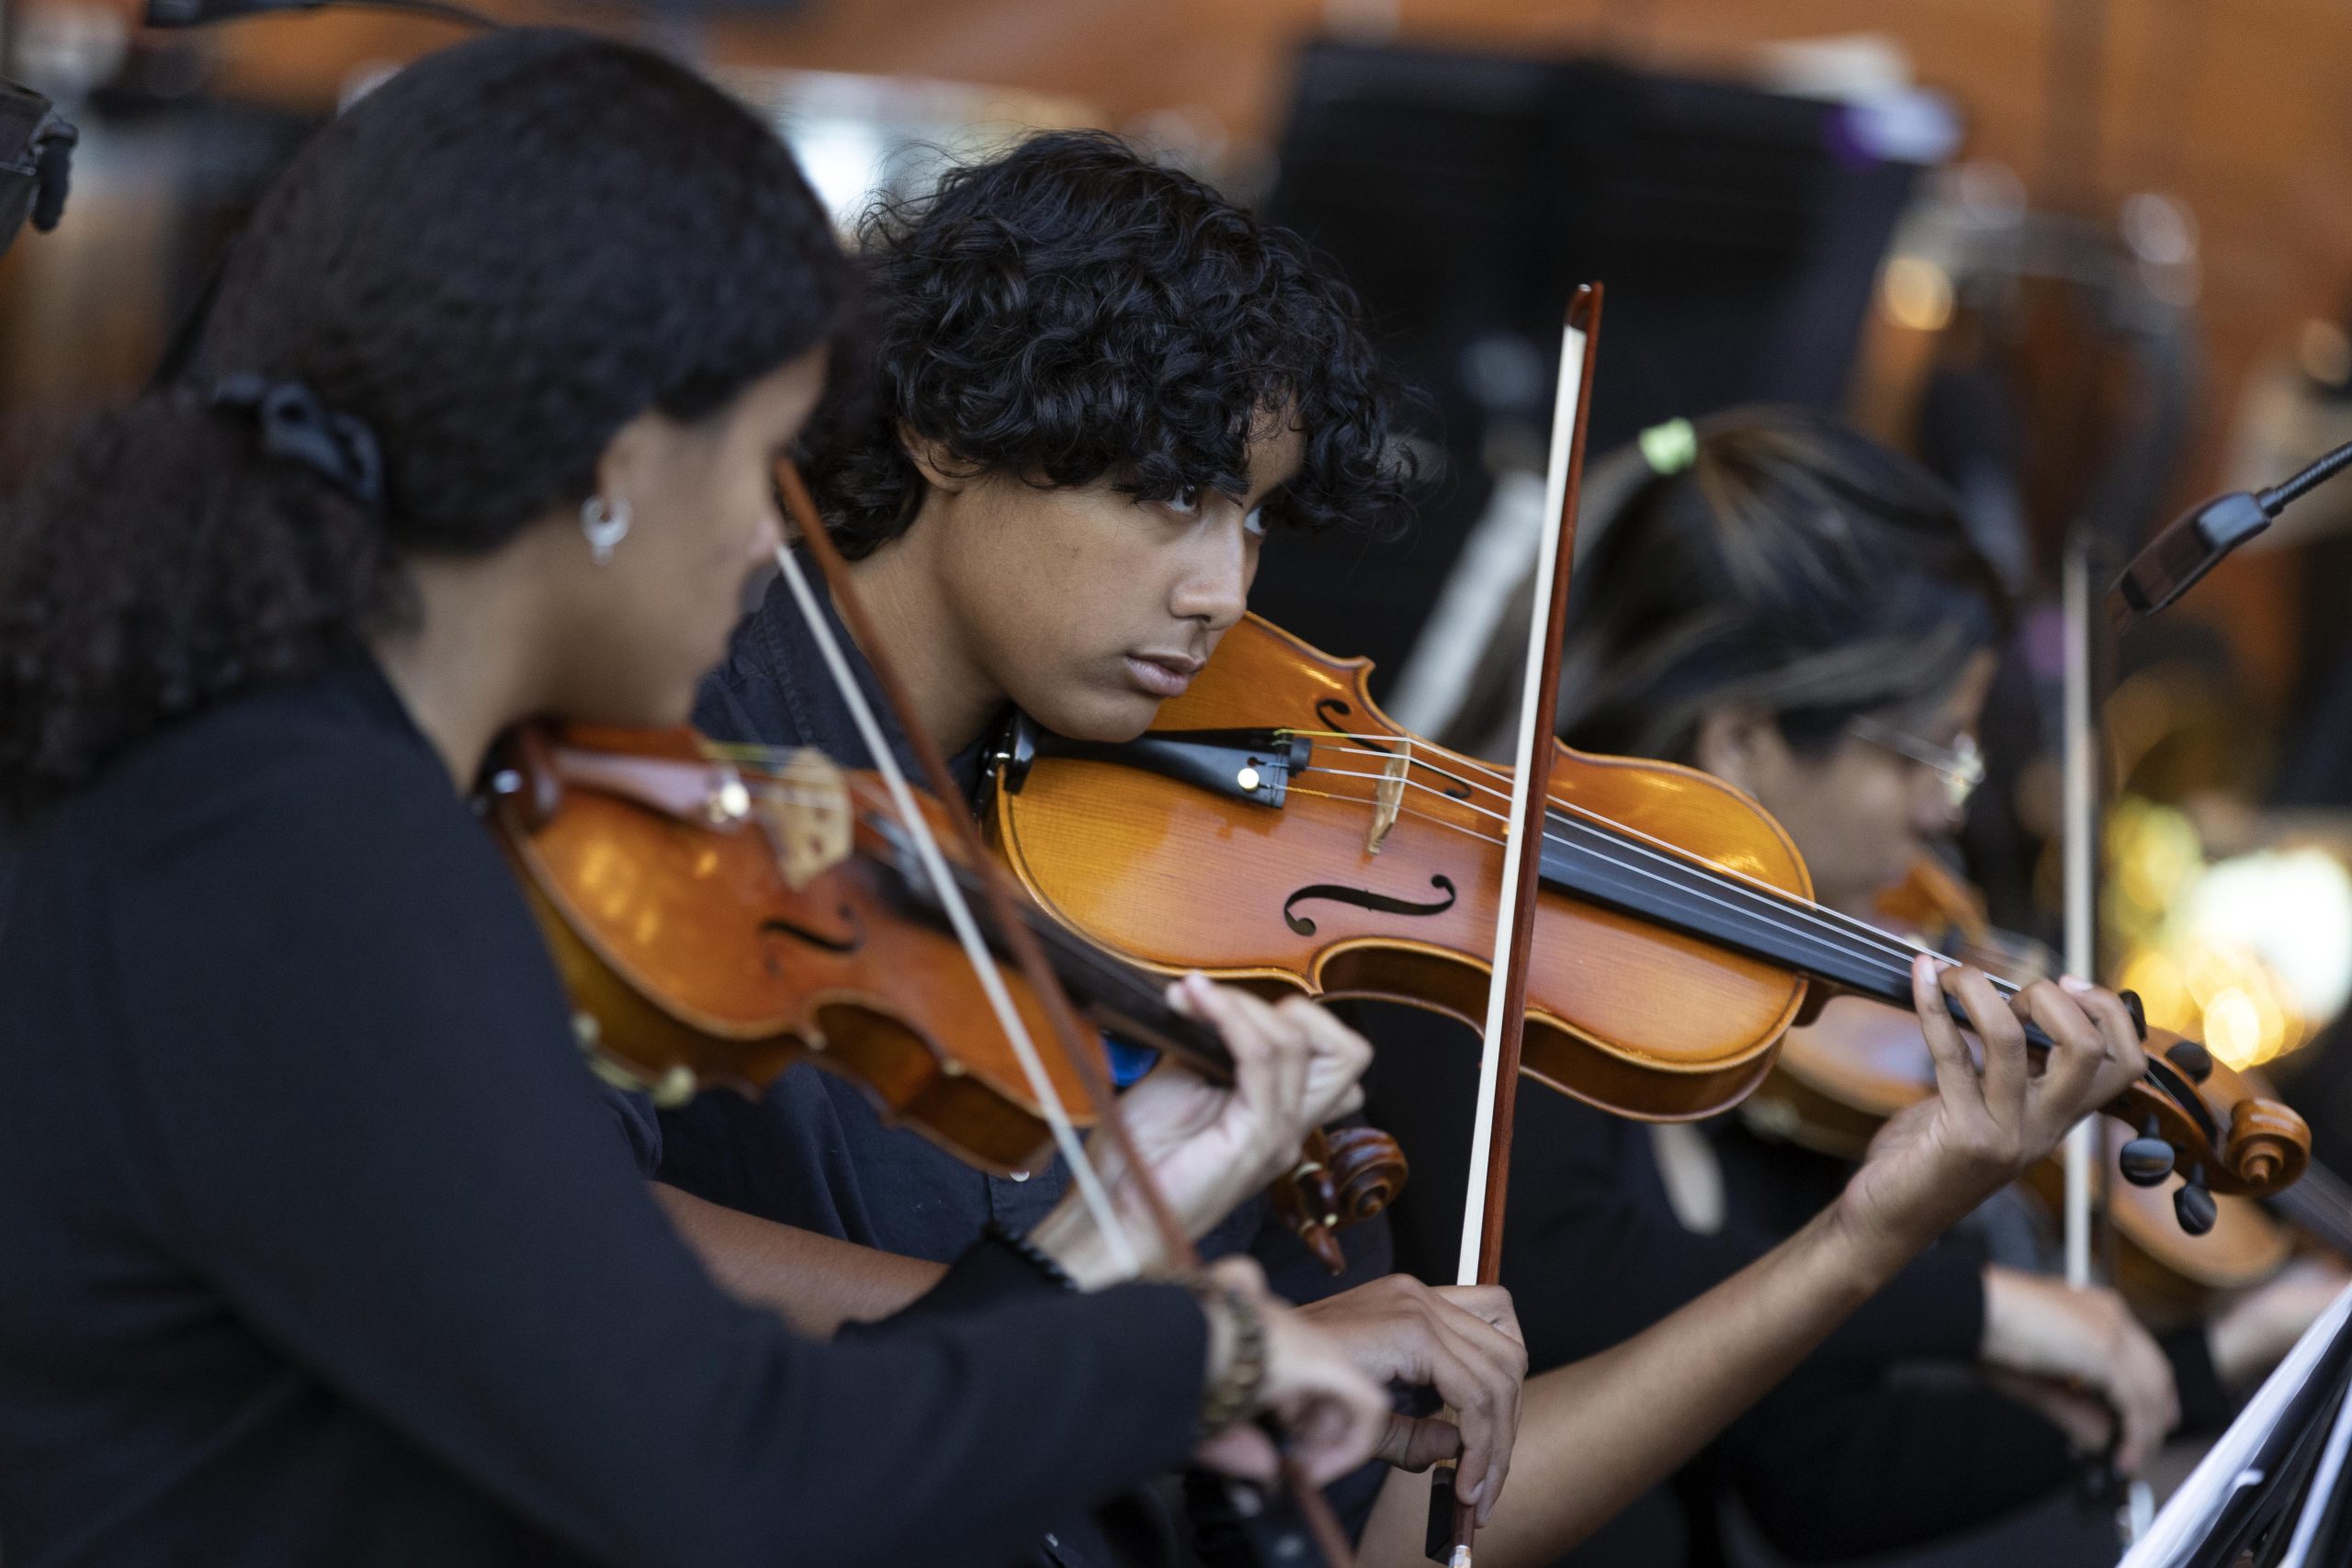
(1795, 566)
(1072, 311)
(496, 260)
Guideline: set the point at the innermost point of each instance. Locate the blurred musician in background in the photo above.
(1781, 602)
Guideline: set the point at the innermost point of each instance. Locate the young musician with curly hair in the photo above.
(1098, 388)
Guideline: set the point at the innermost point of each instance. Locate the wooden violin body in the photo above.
(1274, 827)
(683, 941)
(716, 923)
(1315, 895)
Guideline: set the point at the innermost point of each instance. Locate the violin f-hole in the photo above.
(779, 926)
(1364, 899)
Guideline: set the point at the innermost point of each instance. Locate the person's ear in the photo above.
(1738, 745)
(939, 467)
(624, 467)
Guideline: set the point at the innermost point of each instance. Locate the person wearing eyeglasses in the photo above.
(1774, 598)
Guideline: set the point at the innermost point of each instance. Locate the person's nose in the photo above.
(1215, 587)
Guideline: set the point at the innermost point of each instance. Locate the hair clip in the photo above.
(295, 427)
(1670, 447)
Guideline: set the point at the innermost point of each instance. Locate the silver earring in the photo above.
(605, 525)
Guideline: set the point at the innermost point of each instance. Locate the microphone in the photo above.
(2196, 541)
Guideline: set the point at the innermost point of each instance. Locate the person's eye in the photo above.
(1185, 502)
(1254, 523)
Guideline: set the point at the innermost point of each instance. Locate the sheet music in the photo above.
(2188, 1516)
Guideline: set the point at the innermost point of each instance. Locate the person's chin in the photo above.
(1109, 718)
(644, 708)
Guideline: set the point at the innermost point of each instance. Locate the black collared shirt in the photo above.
(317, 1246)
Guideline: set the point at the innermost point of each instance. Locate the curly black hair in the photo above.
(494, 261)
(1071, 310)
(1794, 566)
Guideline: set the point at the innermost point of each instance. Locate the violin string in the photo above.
(1857, 928)
(959, 916)
(1108, 978)
(1885, 943)
(1862, 932)
(1894, 972)
(1853, 930)
(1880, 946)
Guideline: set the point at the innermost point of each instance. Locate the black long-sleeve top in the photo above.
(316, 1246)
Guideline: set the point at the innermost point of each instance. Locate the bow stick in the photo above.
(1531, 791)
(1078, 1046)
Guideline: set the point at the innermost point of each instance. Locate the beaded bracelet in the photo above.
(1235, 1393)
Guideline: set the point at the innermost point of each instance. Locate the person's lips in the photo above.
(1162, 675)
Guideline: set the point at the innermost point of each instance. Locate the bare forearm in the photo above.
(1595, 1433)
(815, 1281)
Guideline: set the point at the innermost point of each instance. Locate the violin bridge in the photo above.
(1387, 797)
(808, 816)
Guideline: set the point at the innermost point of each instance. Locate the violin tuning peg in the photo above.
(2192, 1059)
(2193, 1206)
(2146, 1160)
(2137, 1008)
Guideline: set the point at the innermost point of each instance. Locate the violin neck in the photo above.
(1602, 865)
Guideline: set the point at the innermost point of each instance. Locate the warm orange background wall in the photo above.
(2242, 108)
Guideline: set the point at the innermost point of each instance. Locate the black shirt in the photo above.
(319, 1248)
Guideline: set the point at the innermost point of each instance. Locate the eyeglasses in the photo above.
(1960, 765)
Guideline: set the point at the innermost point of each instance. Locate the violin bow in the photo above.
(1489, 1183)
(1075, 1043)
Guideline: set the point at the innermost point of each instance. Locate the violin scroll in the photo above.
(2268, 1146)
(1369, 1170)
(2217, 1128)
(1343, 1177)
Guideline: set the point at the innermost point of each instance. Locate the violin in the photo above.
(716, 921)
(1276, 828)
(1835, 1084)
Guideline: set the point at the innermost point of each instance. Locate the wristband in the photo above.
(1235, 1392)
